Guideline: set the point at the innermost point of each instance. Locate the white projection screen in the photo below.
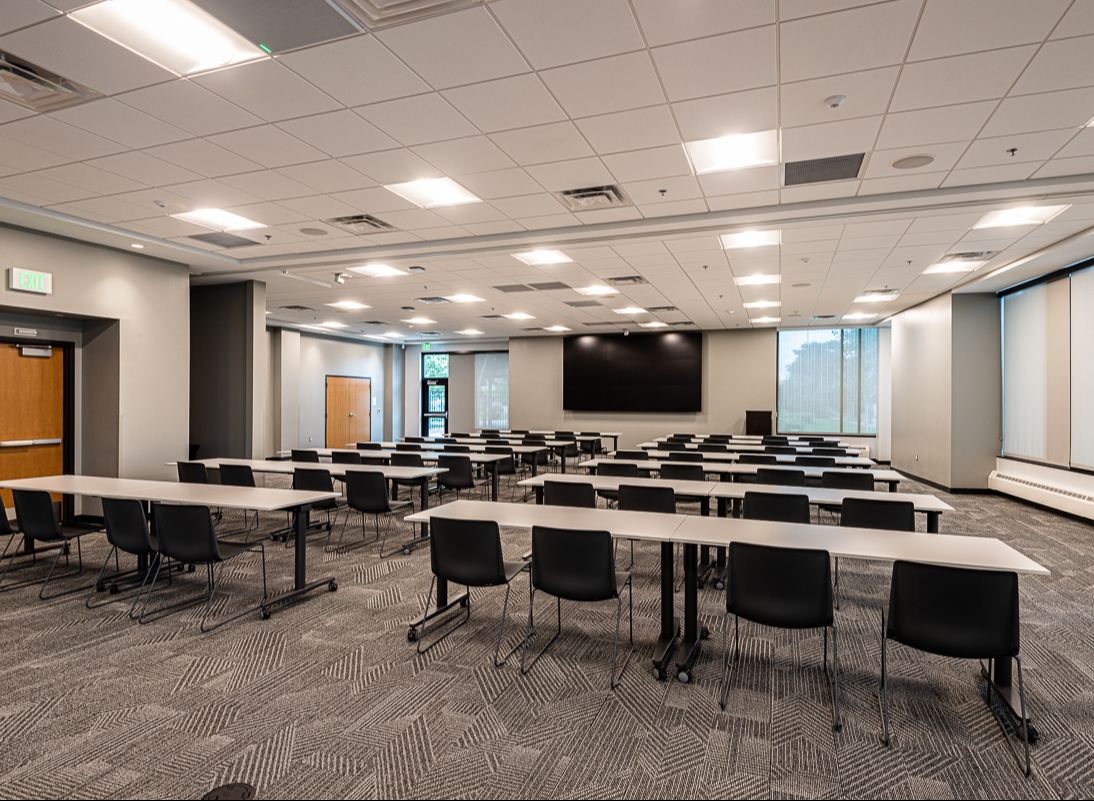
(1082, 368)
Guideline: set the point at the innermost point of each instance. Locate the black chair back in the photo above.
(784, 478)
(407, 446)
(458, 449)
(236, 475)
(569, 493)
(414, 439)
(314, 479)
(466, 552)
(127, 526)
(192, 473)
(816, 461)
(787, 449)
(366, 491)
(446, 440)
(682, 437)
(713, 447)
(683, 472)
(848, 480)
(871, 513)
(459, 475)
(610, 468)
(366, 459)
(345, 457)
(573, 565)
(777, 507)
(369, 446)
(407, 460)
(505, 467)
(775, 440)
(36, 516)
(303, 455)
(185, 533)
(638, 498)
(829, 451)
(789, 588)
(956, 612)
(639, 455)
(686, 456)
(825, 443)
(757, 458)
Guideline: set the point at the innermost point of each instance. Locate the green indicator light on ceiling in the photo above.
(265, 48)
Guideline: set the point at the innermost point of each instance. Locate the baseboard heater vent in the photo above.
(1051, 495)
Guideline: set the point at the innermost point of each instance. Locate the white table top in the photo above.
(611, 483)
(796, 440)
(435, 442)
(427, 455)
(509, 432)
(740, 447)
(336, 470)
(825, 495)
(730, 468)
(855, 543)
(476, 446)
(264, 499)
(780, 458)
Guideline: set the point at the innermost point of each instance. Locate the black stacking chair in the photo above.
(519, 431)
(686, 456)
(407, 446)
(638, 455)
(825, 443)
(414, 439)
(570, 450)
(459, 435)
(776, 506)
(786, 588)
(784, 449)
(539, 458)
(611, 468)
(577, 566)
(366, 493)
(497, 441)
(468, 553)
(815, 461)
(446, 440)
(590, 447)
(460, 477)
(36, 518)
(713, 447)
(720, 438)
(241, 475)
(126, 525)
(784, 478)
(811, 438)
(368, 459)
(871, 513)
(406, 459)
(683, 472)
(829, 451)
(185, 534)
(847, 480)
(490, 432)
(645, 498)
(682, 437)
(317, 479)
(569, 493)
(507, 468)
(369, 446)
(757, 458)
(959, 613)
(192, 473)
(775, 440)
(345, 457)
(304, 455)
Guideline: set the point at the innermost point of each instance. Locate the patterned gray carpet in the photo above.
(328, 699)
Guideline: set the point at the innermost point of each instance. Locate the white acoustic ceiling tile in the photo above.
(867, 93)
(630, 130)
(326, 176)
(462, 156)
(356, 71)
(443, 232)
(506, 103)
(470, 213)
(1063, 64)
(209, 193)
(418, 119)
(43, 190)
(557, 141)
(960, 79)
(549, 35)
(740, 112)
(733, 182)
(93, 179)
(121, 123)
(437, 48)
(945, 157)
(574, 174)
(608, 215)
(146, 169)
(1030, 147)
(66, 47)
(268, 185)
(268, 89)
(830, 139)
(268, 145)
(731, 62)
(1082, 144)
(658, 162)
(339, 133)
(663, 22)
(932, 125)
(393, 166)
(189, 107)
(989, 175)
(110, 208)
(19, 156)
(817, 46)
(610, 84)
(549, 221)
(13, 111)
(743, 200)
(1070, 108)
(269, 213)
(948, 28)
(680, 188)
(55, 136)
(20, 13)
(1078, 21)
(489, 228)
(538, 205)
(318, 207)
(372, 200)
(165, 227)
(501, 183)
(204, 158)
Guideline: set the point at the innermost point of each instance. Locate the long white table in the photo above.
(263, 499)
(741, 447)
(780, 458)
(687, 489)
(508, 434)
(691, 531)
(735, 469)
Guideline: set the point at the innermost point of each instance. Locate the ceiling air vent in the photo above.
(282, 25)
(825, 316)
(602, 324)
(433, 299)
(429, 333)
(223, 239)
(627, 280)
(360, 223)
(510, 288)
(548, 286)
(661, 309)
(533, 328)
(36, 88)
(583, 304)
(296, 308)
(972, 255)
(371, 322)
(491, 317)
(591, 198)
(815, 171)
(380, 13)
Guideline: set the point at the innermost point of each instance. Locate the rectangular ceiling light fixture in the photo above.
(953, 266)
(463, 297)
(654, 324)
(419, 321)
(757, 280)
(348, 305)
(378, 270)
(751, 239)
(430, 193)
(175, 34)
(765, 320)
(536, 258)
(733, 152)
(877, 297)
(1021, 215)
(763, 304)
(859, 316)
(597, 290)
(519, 316)
(630, 310)
(556, 329)
(218, 220)
(470, 332)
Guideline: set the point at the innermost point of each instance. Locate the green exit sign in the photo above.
(30, 281)
(427, 346)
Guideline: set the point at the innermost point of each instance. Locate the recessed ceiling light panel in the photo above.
(463, 297)
(429, 193)
(597, 290)
(556, 329)
(763, 304)
(757, 280)
(519, 316)
(378, 270)
(218, 220)
(1020, 215)
(751, 239)
(537, 258)
(630, 310)
(348, 305)
(733, 152)
(419, 321)
(654, 324)
(470, 332)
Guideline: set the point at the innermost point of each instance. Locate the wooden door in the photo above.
(349, 410)
(32, 407)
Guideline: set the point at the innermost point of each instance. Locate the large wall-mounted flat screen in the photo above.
(636, 373)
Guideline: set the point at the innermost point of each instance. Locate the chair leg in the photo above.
(883, 687)
(613, 679)
(527, 666)
(65, 550)
(461, 617)
(837, 719)
(835, 583)
(1022, 712)
(723, 690)
(205, 629)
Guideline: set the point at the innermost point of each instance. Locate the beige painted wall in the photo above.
(738, 374)
(976, 419)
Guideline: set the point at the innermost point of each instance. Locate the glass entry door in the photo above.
(435, 407)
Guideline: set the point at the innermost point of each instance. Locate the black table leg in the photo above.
(687, 652)
(705, 565)
(539, 494)
(562, 457)
(1000, 685)
(663, 649)
(442, 605)
(301, 585)
(494, 480)
(932, 522)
